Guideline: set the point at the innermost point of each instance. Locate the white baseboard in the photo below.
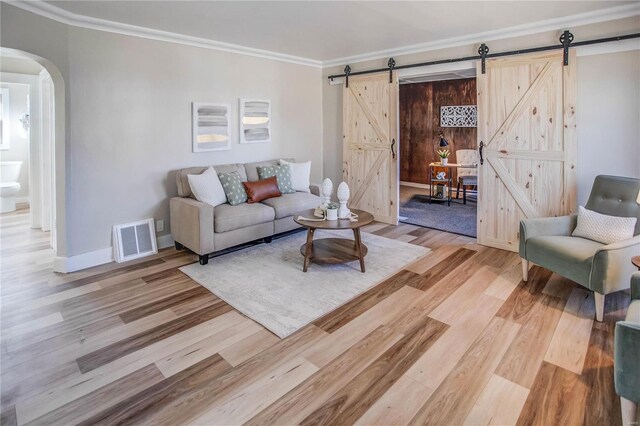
(96, 258)
(83, 261)
(165, 241)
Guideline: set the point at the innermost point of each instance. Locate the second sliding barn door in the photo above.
(370, 144)
(527, 126)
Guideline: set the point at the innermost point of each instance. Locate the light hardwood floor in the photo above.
(454, 338)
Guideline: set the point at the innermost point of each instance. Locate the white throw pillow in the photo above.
(300, 175)
(206, 187)
(603, 228)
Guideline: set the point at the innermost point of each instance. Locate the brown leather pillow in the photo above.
(262, 189)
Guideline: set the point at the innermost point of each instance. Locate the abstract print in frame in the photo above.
(255, 121)
(211, 127)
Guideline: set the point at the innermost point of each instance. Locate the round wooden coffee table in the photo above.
(636, 261)
(333, 250)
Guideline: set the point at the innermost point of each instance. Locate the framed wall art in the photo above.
(255, 121)
(211, 127)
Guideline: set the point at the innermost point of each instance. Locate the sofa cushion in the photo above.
(570, 257)
(282, 174)
(206, 187)
(300, 175)
(183, 181)
(227, 217)
(262, 189)
(289, 204)
(233, 188)
(251, 169)
(603, 228)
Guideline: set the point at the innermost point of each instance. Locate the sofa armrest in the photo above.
(314, 189)
(635, 286)
(612, 267)
(192, 224)
(529, 228)
(626, 356)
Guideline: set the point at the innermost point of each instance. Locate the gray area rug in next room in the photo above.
(457, 218)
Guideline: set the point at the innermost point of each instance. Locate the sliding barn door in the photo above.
(370, 144)
(527, 124)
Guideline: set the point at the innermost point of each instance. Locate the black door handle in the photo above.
(393, 153)
(480, 149)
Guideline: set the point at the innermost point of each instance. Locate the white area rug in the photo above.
(266, 282)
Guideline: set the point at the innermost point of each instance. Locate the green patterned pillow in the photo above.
(233, 188)
(282, 174)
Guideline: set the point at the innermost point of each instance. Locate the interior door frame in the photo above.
(417, 72)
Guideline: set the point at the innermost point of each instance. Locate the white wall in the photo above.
(19, 147)
(129, 118)
(608, 118)
(608, 100)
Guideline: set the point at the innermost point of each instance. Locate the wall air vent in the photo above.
(134, 240)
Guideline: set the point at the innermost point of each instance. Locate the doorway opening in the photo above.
(438, 151)
(27, 145)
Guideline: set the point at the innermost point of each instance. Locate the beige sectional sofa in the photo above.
(205, 229)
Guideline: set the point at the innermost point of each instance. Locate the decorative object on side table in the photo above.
(444, 156)
(332, 211)
(327, 190)
(343, 197)
(440, 145)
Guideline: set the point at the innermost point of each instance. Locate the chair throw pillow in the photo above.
(300, 175)
(603, 228)
(233, 188)
(262, 189)
(206, 187)
(282, 174)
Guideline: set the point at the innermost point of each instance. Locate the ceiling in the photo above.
(330, 30)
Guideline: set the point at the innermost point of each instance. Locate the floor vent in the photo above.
(134, 240)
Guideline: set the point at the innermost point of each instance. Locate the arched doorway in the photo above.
(58, 141)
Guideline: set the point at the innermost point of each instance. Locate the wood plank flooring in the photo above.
(454, 338)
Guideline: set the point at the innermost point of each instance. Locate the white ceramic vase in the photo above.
(343, 197)
(444, 161)
(327, 190)
(332, 214)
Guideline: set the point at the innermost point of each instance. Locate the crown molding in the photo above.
(58, 14)
(593, 17)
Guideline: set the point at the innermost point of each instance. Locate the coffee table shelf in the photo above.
(334, 250)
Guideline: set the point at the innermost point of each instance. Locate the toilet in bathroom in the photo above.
(9, 185)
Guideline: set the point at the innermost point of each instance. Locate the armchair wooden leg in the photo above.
(599, 306)
(458, 191)
(629, 412)
(525, 270)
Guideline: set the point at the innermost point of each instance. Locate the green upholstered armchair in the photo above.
(601, 268)
(627, 356)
